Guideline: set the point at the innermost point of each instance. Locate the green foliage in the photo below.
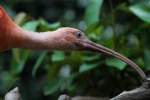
(116, 63)
(147, 58)
(93, 11)
(58, 56)
(19, 59)
(76, 72)
(142, 10)
(86, 67)
(53, 86)
(38, 62)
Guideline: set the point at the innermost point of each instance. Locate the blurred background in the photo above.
(122, 25)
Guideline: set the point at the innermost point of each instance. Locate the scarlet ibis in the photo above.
(13, 36)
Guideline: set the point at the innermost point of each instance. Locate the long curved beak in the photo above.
(91, 46)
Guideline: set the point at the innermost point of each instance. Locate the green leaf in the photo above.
(16, 54)
(25, 55)
(141, 10)
(58, 84)
(58, 56)
(86, 67)
(31, 25)
(116, 63)
(147, 58)
(53, 86)
(38, 62)
(19, 59)
(54, 25)
(90, 58)
(7, 80)
(20, 18)
(93, 11)
(44, 25)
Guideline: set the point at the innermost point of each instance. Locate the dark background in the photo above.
(122, 25)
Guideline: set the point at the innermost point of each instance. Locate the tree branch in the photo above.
(140, 93)
(65, 97)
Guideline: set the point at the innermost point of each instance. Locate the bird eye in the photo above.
(78, 34)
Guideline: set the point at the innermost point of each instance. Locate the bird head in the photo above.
(70, 38)
(74, 39)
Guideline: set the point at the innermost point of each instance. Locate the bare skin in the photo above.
(13, 36)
